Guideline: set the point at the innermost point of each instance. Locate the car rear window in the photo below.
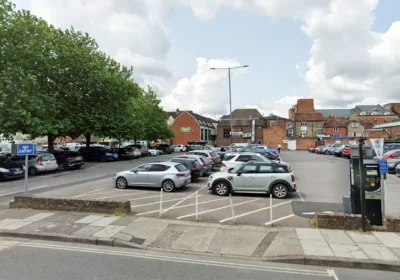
(213, 154)
(196, 164)
(281, 169)
(48, 157)
(181, 167)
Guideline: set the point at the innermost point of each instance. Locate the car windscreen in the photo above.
(181, 167)
(228, 158)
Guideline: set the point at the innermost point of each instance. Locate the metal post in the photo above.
(270, 209)
(233, 212)
(26, 175)
(383, 195)
(230, 103)
(362, 186)
(197, 206)
(161, 197)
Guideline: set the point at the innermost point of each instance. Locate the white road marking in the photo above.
(93, 167)
(313, 213)
(333, 274)
(119, 195)
(164, 201)
(143, 255)
(87, 193)
(255, 211)
(146, 197)
(280, 219)
(216, 209)
(183, 206)
(302, 199)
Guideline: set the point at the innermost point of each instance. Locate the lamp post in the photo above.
(230, 92)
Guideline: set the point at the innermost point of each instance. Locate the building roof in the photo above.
(274, 117)
(174, 114)
(334, 123)
(308, 117)
(203, 121)
(335, 112)
(242, 122)
(368, 109)
(244, 114)
(387, 125)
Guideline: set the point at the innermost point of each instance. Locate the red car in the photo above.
(393, 154)
(346, 152)
(318, 150)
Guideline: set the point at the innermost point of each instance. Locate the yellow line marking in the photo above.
(280, 219)
(183, 206)
(255, 211)
(164, 201)
(119, 195)
(216, 209)
(150, 197)
(86, 193)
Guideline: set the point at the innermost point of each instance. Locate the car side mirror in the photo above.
(230, 169)
(134, 171)
(239, 173)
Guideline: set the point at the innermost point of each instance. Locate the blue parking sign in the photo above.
(26, 149)
(383, 166)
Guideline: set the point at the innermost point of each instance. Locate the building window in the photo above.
(335, 129)
(202, 134)
(303, 124)
(388, 130)
(226, 132)
(272, 123)
(209, 134)
(320, 124)
(304, 133)
(375, 122)
(354, 124)
(205, 134)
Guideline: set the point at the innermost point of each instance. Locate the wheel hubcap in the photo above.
(221, 189)
(280, 191)
(168, 186)
(121, 183)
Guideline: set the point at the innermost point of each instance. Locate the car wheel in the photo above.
(61, 167)
(168, 186)
(181, 150)
(326, 152)
(121, 183)
(280, 191)
(32, 171)
(221, 189)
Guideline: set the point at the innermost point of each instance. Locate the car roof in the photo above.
(164, 162)
(248, 154)
(187, 159)
(200, 151)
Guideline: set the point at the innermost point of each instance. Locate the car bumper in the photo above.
(182, 181)
(45, 168)
(76, 164)
(205, 169)
(293, 187)
(392, 169)
(12, 175)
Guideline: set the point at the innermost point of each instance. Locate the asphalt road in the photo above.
(39, 260)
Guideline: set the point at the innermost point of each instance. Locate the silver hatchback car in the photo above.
(167, 175)
(38, 163)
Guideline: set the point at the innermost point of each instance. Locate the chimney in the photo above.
(177, 110)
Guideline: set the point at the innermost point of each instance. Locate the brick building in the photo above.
(338, 114)
(392, 128)
(306, 122)
(191, 127)
(335, 127)
(242, 120)
(375, 114)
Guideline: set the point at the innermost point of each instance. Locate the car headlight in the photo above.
(391, 164)
(108, 154)
(4, 170)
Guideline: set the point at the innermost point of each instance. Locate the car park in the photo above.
(9, 169)
(144, 151)
(325, 149)
(391, 154)
(154, 152)
(179, 148)
(164, 148)
(67, 160)
(196, 170)
(211, 155)
(37, 163)
(98, 153)
(337, 151)
(125, 153)
(166, 175)
(318, 150)
(255, 177)
(203, 161)
(392, 165)
(237, 159)
(346, 151)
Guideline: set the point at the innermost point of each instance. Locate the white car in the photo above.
(154, 152)
(179, 148)
(235, 159)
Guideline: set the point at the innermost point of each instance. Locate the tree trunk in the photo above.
(50, 143)
(87, 136)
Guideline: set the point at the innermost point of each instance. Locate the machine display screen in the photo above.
(372, 172)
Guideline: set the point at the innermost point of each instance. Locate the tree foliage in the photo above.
(57, 82)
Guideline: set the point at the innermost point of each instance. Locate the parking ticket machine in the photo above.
(372, 185)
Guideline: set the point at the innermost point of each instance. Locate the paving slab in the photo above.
(390, 239)
(38, 217)
(348, 251)
(359, 237)
(89, 219)
(285, 244)
(87, 231)
(19, 213)
(309, 234)
(316, 248)
(168, 236)
(146, 230)
(17, 225)
(124, 221)
(395, 251)
(236, 242)
(378, 252)
(336, 237)
(105, 221)
(195, 239)
(36, 227)
(108, 231)
(7, 222)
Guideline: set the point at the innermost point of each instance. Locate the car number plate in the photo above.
(18, 172)
(49, 163)
(188, 180)
(78, 158)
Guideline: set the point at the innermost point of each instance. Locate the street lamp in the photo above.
(230, 93)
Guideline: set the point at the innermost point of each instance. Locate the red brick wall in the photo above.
(185, 120)
(376, 134)
(394, 131)
(305, 106)
(396, 108)
(342, 131)
(274, 135)
(236, 139)
(371, 119)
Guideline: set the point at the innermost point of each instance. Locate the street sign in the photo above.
(26, 149)
(377, 144)
(383, 166)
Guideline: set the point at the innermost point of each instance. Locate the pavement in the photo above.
(335, 248)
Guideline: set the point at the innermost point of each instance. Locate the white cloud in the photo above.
(278, 107)
(206, 91)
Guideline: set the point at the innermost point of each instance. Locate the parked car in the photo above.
(9, 169)
(325, 149)
(211, 155)
(179, 148)
(164, 148)
(203, 161)
(154, 152)
(346, 151)
(265, 149)
(144, 151)
(392, 146)
(67, 160)
(398, 170)
(235, 160)
(166, 175)
(255, 177)
(38, 163)
(337, 151)
(98, 153)
(194, 148)
(125, 153)
(269, 155)
(392, 164)
(311, 149)
(318, 150)
(391, 154)
(196, 170)
(331, 149)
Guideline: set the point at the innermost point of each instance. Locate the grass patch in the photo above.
(313, 223)
(120, 212)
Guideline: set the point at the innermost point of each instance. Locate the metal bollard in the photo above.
(233, 212)
(197, 206)
(161, 197)
(270, 209)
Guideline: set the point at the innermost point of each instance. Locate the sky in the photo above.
(339, 52)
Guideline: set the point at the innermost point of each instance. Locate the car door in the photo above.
(156, 175)
(263, 177)
(244, 180)
(139, 175)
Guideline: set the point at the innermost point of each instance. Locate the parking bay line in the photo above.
(97, 193)
(216, 209)
(183, 206)
(164, 201)
(255, 211)
(125, 194)
(87, 193)
(150, 197)
(280, 219)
